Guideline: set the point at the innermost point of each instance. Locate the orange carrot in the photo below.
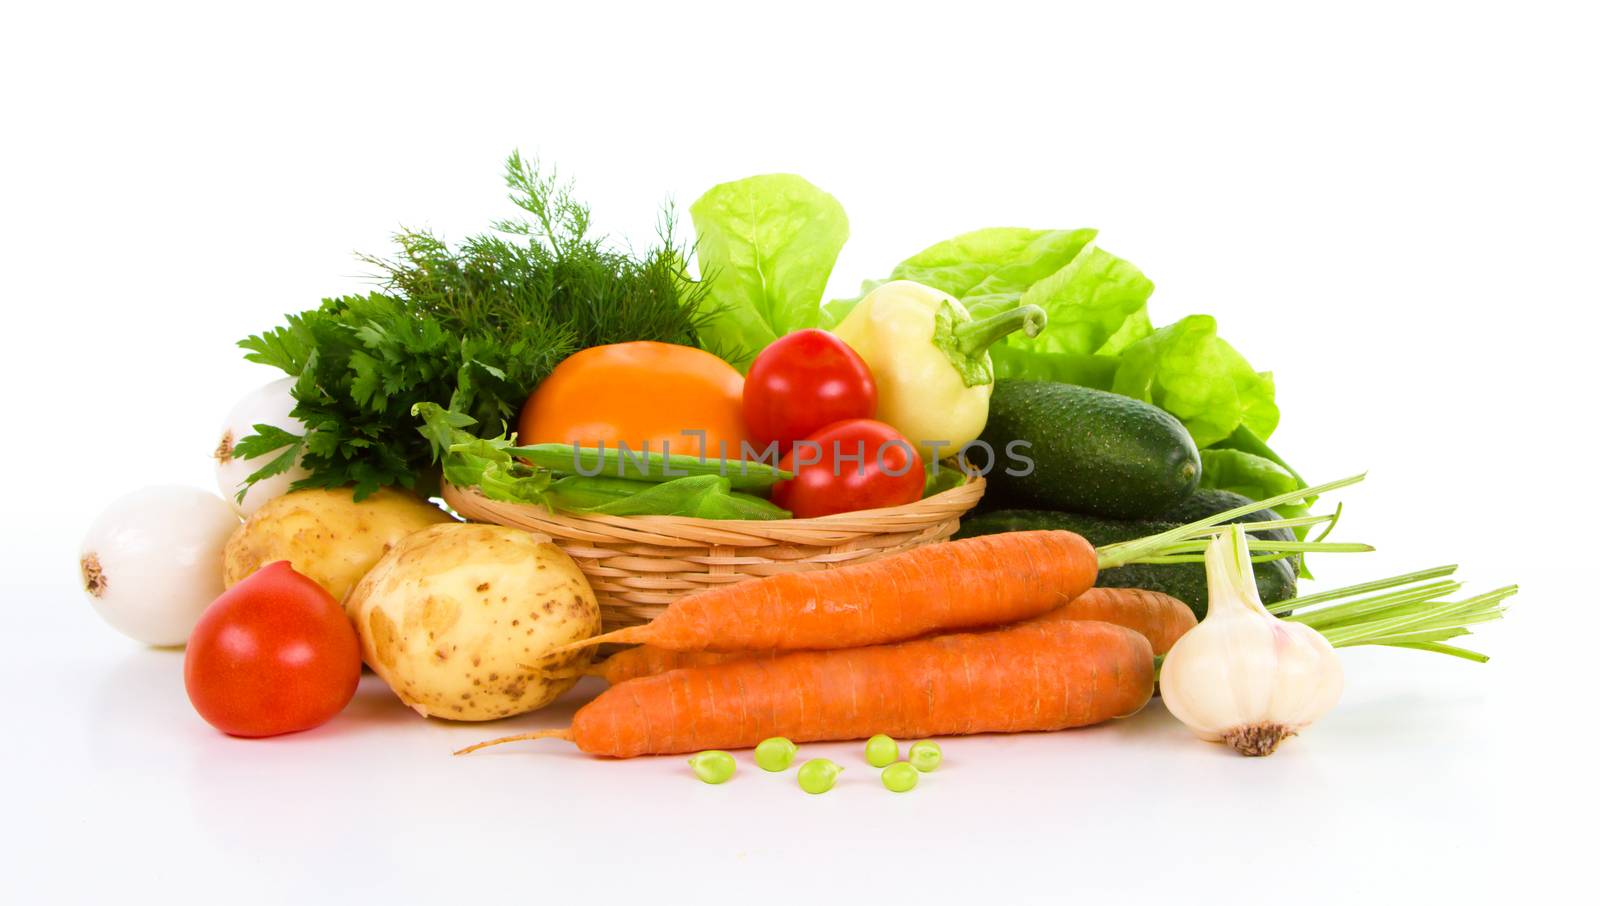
(1031, 677)
(648, 660)
(1160, 618)
(983, 581)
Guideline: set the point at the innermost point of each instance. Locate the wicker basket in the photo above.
(640, 564)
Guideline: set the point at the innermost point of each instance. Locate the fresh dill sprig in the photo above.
(473, 327)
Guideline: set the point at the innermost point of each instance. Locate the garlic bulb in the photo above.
(1243, 676)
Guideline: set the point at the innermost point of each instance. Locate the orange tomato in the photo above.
(636, 393)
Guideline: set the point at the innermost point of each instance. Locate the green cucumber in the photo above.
(1185, 581)
(1093, 452)
(1098, 529)
(1211, 501)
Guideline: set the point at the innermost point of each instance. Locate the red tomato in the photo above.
(859, 464)
(802, 383)
(274, 654)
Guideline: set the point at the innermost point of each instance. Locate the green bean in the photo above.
(744, 474)
(713, 766)
(900, 777)
(775, 754)
(818, 775)
(882, 751)
(925, 755)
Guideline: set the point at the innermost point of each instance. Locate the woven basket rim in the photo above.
(884, 519)
(639, 565)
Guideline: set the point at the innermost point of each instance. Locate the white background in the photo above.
(1391, 206)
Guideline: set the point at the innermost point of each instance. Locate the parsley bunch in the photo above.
(473, 328)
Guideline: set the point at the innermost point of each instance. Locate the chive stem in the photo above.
(1113, 555)
(1364, 587)
(1418, 617)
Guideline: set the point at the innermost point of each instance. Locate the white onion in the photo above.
(152, 562)
(266, 405)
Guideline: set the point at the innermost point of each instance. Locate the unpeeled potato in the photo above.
(326, 535)
(459, 620)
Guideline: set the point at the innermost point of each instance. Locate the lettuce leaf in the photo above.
(1094, 300)
(767, 244)
(1019, 363)
(1091, 300)
(1186, 369)
(1099, 334)
(989, 270)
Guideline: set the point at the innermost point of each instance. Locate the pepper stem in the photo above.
(966, 343)
(975, 337)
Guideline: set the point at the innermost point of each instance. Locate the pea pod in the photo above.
(581, 493)
(594, 462)
(502, 472)
(698, 496)
(942, 477)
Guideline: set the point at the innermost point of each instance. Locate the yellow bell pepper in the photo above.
(930, 360)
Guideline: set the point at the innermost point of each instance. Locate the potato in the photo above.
(326, 535)
(459, 619)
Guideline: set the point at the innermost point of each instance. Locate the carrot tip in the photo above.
(617, 635)
(520, 737)
(558, 673)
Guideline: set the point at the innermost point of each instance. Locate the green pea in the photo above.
(775, 754)
(818, 775)
(713, 766)
(900, 777)
(882, 751)
(925, 755)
